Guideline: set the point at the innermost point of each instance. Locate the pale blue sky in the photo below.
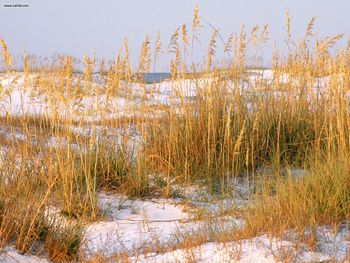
(81, 26)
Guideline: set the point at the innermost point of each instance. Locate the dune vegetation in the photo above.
(66, 137)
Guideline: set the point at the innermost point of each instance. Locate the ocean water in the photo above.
(148, 78)
(157, 77)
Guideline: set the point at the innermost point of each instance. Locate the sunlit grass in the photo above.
(227, 124)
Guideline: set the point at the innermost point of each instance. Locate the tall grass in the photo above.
(229, 123)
